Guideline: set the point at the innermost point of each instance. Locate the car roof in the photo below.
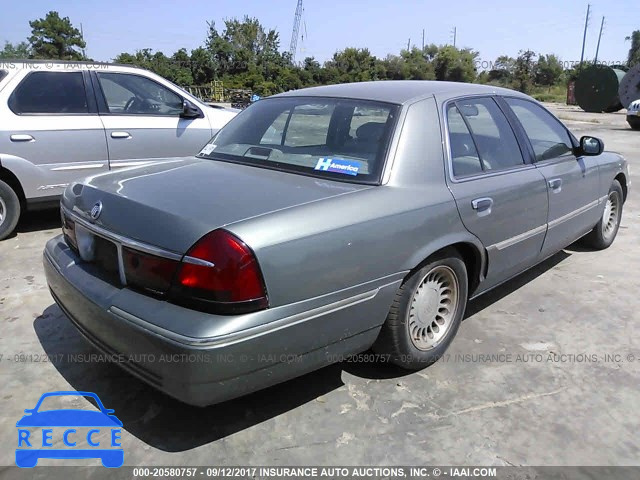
(67, 65)
(400, 91)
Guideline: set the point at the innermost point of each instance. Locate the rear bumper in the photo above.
(204, 359)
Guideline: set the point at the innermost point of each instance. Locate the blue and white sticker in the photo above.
(338, 165)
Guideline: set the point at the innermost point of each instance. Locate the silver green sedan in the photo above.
(323, 222)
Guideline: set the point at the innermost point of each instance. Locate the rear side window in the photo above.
(50, 92)
(464, 156)
(3, 73)
(548, 137)
(494, 139)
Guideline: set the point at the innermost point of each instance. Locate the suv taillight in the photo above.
(220, 273)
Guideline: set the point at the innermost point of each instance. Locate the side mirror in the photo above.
(590, 146)
(189, 110)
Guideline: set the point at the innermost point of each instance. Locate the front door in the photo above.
(572, 182)
(501, 199)
(142, 120)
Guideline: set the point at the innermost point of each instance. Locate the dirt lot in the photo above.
(527, 380)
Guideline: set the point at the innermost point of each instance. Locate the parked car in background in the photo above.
(61, 121)
(633, 115)
(321, 222)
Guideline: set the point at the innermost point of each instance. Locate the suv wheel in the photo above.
(9, 210)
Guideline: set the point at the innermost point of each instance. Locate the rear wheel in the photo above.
(634, 122)
(426, 313)
(9, 210)
(605, 231)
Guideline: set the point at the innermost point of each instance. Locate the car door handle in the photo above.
(120, 135)
(482, 204)
(555, 184)
(21, 138)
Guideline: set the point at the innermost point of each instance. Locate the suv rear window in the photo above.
(50, 92)
(341, 139)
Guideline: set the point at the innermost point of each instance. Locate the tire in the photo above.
(634, 122)
(605, 231)
(438, 291)
(9, 210)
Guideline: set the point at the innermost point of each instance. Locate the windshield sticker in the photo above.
(338, 165)
(208, 148)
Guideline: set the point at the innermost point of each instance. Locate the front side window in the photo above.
(129, 94)
(340, 139)
(548, 137)
(50, 92)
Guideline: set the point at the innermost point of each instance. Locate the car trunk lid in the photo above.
(172, 204)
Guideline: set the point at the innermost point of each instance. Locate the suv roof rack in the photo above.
(84, 62)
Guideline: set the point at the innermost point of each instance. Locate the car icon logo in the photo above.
(77, 433)
(96, 210)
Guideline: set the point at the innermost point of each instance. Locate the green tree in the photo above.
(20, 50)
(634, 52)
(503, 70)
(181, 68)
(202, 68)
(524, 71)
(548, 70)
(243, 45)
(455, 65)
(418, 64)
(56, 38)
(352, 65)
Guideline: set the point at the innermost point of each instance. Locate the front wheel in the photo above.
(605, 231)
(426, 313)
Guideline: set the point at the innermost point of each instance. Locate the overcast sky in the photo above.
(492, 27)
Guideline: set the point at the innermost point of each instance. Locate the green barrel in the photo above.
(596, 89)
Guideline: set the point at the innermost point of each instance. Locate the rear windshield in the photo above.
(333, 138)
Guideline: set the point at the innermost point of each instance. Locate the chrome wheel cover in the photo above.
(433, 307)
(611, 215)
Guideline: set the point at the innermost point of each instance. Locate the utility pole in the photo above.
(423, 39)
(595, 60)
(584, 35)
(84, 54)
(409, 44)
(454, 33)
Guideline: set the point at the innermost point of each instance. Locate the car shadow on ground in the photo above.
(46, 219)
(172, 426)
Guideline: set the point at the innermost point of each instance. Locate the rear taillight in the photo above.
(220, 273)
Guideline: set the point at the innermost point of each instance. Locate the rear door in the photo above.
(572, 182)
(501, 199)
(49, 123)
(142, 120)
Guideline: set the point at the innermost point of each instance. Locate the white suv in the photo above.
(633, 115)
(61, 121)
